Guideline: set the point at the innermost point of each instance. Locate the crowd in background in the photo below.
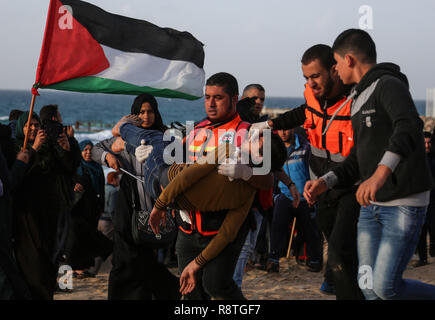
(58, 210)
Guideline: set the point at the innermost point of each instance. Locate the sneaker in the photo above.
(272, 267)
(419, 263)
(326, 288)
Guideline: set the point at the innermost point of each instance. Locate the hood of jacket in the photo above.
(379, 70)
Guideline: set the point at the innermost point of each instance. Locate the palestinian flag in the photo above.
(87, 49)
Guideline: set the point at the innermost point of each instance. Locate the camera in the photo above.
(53, 129)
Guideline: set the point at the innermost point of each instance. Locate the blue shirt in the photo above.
(296, 166)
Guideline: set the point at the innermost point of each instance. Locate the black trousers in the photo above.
(338, 221)
(215, 279)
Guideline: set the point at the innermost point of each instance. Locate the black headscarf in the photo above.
(137, 104)
(93, 168)
(19, 133)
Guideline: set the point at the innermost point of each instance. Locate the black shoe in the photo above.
(272, 267)
(419, 263)
(314, 266)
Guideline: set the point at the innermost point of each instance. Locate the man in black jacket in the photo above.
(337, 210)
(389, 158)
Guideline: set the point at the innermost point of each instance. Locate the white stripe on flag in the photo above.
(145, 70)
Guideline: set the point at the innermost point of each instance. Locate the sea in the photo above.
(102, 111)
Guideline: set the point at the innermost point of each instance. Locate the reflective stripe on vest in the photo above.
(322, 153)
(338, 139)
(199, 224)
(206, 136)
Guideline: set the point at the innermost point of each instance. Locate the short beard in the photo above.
(328, 88)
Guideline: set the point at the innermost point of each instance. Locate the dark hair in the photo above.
(47, 112)
(358, 42)
(15, 114)
(278, 152)
(322, 52)
(84, 143)
(427, 134)
(257, 86)
(137, 105)
(225, 80)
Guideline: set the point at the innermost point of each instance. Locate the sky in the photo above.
(257, 41)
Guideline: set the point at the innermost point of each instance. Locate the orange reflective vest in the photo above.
(337, 141)
(205, 137)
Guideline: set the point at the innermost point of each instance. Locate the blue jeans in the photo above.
(154, 164)
(248, 248)
(387, 238)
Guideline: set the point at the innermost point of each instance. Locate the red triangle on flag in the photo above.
(68, 50)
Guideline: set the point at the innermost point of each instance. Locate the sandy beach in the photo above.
(293, 282)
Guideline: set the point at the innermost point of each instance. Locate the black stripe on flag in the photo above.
(132, 35)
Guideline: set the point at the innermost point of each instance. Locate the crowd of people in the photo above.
(351, 166)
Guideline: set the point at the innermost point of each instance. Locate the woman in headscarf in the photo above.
(12, 167)
(85, 246)
(136, 273)
(37, 204)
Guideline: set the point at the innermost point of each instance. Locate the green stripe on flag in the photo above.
(102, 85)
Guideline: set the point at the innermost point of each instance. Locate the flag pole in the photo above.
(32, 104)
